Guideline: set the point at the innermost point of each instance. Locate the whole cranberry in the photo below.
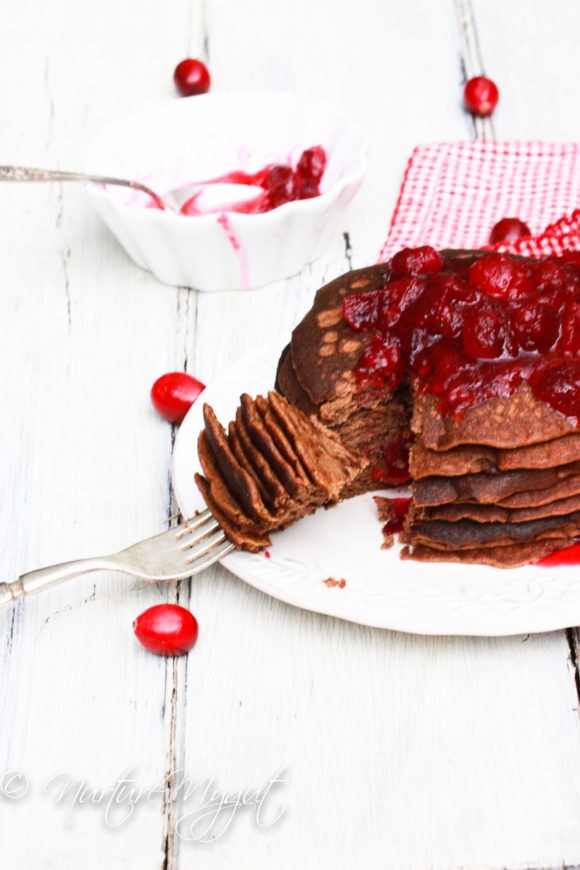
(480, 95)
(572, 257)
(535, 324)
(449, 298)
(166, 629)
(484, 333)
(508, 229)
(410, 262)
(549, 276)
(399, 296)
(174, 393)
(280, 185)
(381, 362)
(191, 77)
(500, 275)
(569, 343)
(558, 383)
(361, 310)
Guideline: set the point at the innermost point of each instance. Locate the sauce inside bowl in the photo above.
(258, 192)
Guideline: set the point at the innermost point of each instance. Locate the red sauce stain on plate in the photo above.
(568, 556)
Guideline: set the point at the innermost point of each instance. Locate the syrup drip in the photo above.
(239, 250)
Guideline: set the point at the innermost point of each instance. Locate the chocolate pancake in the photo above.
(319, 456)
(323, 349)
(273, 448)
(471, 459)
(272, 489)
(504, 422)
(497, 513)
(467, 534)
(490, 488)
(213, 441)
(512, 556)
(273, 466)
(563, 488)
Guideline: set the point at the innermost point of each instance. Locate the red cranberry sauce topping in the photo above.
(396, 509)
(394, 468)
(280, 182)
(471, 328)
(567, 556)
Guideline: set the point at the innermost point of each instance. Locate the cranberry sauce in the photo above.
(394, 469)
(394, 512)
(567, 556)
(471, 328)
(280, 183)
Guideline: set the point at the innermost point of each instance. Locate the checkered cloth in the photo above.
(453, 193)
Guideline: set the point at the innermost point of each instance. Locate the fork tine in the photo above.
(199, 563)
(192, 523)
(203, 541)
(189, 537)
(200, 546)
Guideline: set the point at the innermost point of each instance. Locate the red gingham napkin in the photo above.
(453, 193)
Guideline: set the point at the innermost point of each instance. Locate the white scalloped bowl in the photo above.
(195, 138)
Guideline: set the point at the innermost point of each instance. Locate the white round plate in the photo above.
(344, 544)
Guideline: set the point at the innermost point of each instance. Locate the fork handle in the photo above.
(42, 578)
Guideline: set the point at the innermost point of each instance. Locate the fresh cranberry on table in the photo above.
(481, 96)
(191, 77)
(174, 393)
(166, 629)
(508, 229)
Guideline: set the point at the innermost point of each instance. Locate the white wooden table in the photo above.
(352, 747)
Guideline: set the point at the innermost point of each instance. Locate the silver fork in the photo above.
(180, 552)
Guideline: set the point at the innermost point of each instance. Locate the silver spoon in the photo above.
(171, 200)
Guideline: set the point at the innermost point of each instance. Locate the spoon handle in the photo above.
(29, 173)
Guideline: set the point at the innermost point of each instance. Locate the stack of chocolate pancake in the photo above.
(482, 423)
(271, 467)
(499, 486)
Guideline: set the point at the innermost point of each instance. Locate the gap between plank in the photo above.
(573, 639)
(471, 60)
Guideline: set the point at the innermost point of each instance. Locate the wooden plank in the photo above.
(85, 461)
